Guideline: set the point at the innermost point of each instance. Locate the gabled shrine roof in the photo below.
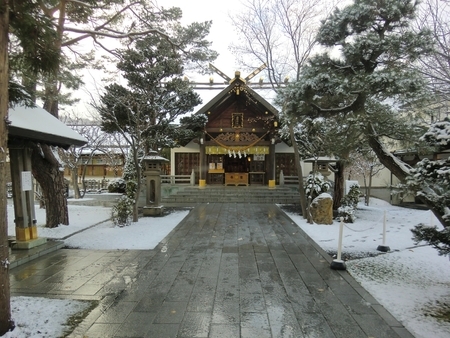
(227, 97)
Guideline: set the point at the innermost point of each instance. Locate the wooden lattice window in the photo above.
(285, 162)
(185, 162)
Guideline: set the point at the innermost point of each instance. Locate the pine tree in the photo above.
(430, 179)
(366, 74)
(156, 93)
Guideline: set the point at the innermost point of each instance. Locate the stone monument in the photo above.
(322, 209)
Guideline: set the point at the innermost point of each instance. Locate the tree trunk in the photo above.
(138, 186)
(298, 166)
(369, 187)
(136, 203)
(76, 188)
(400, 171)
(46, 170)
(385, 157)
(339, 184)
(83, 181)
(51, 182)
(5, 307)
(438, 212)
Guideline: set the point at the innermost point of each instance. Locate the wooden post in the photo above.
(271, 165)
(23, 198)
(21, 217)
(202, 164)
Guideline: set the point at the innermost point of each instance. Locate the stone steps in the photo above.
(227, 194)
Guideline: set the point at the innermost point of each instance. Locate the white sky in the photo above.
(221, 34)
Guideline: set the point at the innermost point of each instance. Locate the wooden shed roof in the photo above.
(37, 125)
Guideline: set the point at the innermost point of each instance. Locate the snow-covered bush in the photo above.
(117, 185)
(438, 134)
(349, 204)
(430, 181)
(130, 189)
(438, 239)
(122, 212)
(315, 185)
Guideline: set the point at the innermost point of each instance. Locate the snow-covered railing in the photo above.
(289, 179)
(95, 185)
(178, 179)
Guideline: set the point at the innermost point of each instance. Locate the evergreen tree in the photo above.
(19, 24)
(430, 179)
(366, 74)
(72, 22)
(156, 94)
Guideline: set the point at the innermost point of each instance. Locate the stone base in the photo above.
(26, 245)
(338, 264)
(153, 211)
(383, 248)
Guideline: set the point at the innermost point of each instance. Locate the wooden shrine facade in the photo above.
(238, 144)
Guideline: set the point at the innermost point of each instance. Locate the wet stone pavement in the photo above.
(228, 270)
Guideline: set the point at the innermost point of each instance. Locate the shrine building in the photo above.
(239, 145)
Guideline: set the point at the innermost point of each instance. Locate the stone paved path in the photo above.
(228, 270)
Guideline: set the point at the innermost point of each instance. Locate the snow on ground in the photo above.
(143, 235)
(43, 317)
(90, 228)
(411, 282)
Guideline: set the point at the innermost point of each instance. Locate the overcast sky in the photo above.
(221, 35)
(222, 32)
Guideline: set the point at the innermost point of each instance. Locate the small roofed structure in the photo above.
(31, 124)
(321, 164)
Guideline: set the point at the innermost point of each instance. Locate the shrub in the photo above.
(130, 189)
(117, 185)
(349, 204)
(318, 185)
(122, 212)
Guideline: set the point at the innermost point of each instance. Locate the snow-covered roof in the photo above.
(155, 158)
(37, 125)
(321, 159)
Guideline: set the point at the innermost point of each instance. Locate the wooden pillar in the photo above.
(23, 194)
(202, 163)
(271, 168)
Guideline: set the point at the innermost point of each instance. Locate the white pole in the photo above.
(384, 247)
(338, 263)
(341, 231)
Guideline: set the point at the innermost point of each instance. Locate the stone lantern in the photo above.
(320, 164)
(152, 164)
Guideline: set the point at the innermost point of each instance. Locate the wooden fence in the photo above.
(178, 179)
